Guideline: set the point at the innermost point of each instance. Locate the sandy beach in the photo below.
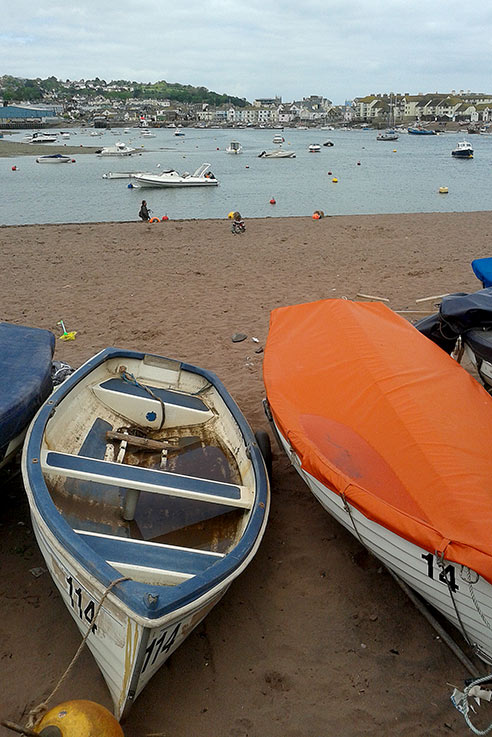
(314, 639)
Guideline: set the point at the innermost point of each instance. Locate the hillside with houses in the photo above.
(28, 102)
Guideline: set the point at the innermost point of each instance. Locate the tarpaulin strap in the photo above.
(349, 512)
(447, 580)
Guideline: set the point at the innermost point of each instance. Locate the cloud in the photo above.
(337, 48)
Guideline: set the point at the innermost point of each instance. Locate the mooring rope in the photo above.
(38, 711)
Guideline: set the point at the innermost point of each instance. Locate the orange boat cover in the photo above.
(379, 413)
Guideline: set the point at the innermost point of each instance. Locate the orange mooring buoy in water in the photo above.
(273, 201)
(79, 718)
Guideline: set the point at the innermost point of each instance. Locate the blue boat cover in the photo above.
(25, 367)
(482, 268)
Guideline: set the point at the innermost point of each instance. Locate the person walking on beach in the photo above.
(144, 213)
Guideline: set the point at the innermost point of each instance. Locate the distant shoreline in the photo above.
(11, 148)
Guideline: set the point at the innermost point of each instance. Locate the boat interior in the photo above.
(146, 463)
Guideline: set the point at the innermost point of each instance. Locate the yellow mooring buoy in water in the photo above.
(79, 718)
(443, 190)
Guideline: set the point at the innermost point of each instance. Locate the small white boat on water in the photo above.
(234, 148)
(65, 135)
(149, 496)
(278, 153)
(463, 150)
(314, 148)
(42, 137)
(179, 133)
(388, 135)
(391, 435)
(278, 139)
(146, 133)
(119, 149)
(202, 177)
(54, 159)
(96, 132)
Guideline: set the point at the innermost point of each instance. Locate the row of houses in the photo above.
(398, 108)
(314, 110)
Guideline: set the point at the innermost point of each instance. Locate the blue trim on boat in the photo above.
(167, 396)
(128, 474)
(132, 594)
(150, 555)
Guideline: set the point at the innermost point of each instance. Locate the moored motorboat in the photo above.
(234, 148)
(389, 135)
(391, 436)
(42, 137)
(148, 496)
(419, 131)
(278, 153)
(119, 149)
(463, 150)
(54, 159)
(202, 177)
(278, 139)
(328, 143)
(314, 148)
(26, 361)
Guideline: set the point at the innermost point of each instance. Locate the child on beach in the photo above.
(238, 225)
(144, 213)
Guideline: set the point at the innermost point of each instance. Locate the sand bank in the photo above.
(314, 638)
(16, 148)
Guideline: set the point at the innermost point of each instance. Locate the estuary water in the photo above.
(373, 176)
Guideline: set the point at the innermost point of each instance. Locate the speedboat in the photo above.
(234, 148)
(26, 363)
(54, 159)
(463, 150)
(149, 496)
(146, 133)
(64, 134)
(278, 139)
(179, 133)
(314, 148)
(278, 153)
(119, 149)
(42, 137)
(328, 143)
(96, 132)
(389, 135)
(391, 435)
(202, 177)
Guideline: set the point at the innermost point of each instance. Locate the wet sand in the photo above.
(314, 638)
(11, 148)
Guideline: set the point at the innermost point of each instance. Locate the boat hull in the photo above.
(128, 650)
(462, 154)
(420, 569)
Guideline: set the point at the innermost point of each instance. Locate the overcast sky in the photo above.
(256, 48)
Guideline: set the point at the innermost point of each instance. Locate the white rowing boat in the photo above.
(148, 496)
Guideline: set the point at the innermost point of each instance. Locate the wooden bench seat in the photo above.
(178, 562)
(144, 479)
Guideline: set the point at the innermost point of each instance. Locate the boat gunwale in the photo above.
(132, 593)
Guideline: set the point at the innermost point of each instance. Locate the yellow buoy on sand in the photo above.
(79, 718)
